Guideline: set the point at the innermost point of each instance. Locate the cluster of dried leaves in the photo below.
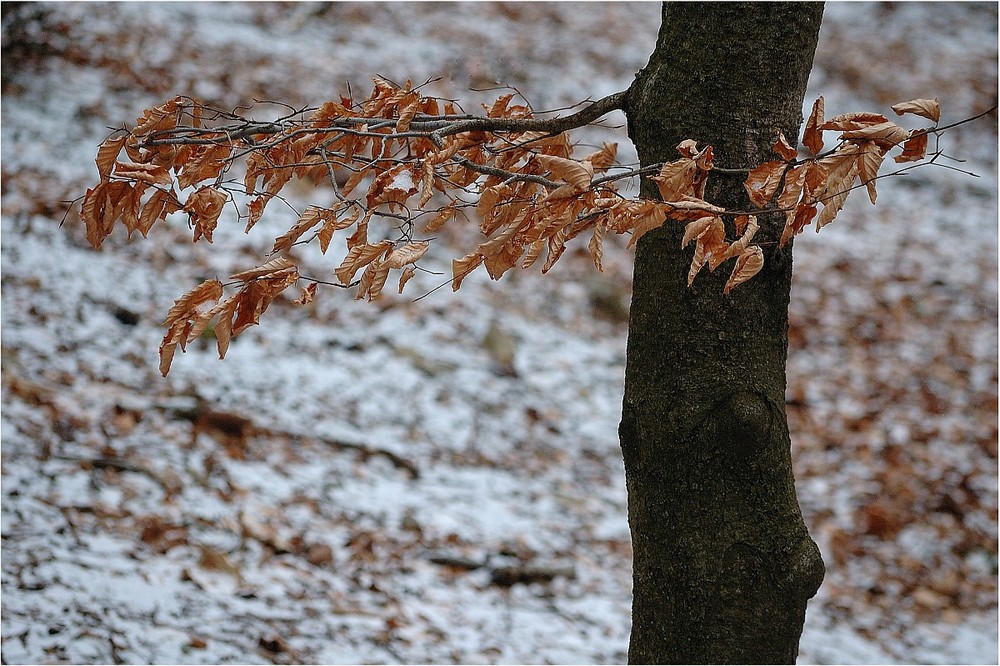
(393, 154)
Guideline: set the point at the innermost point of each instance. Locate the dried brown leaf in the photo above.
(928, 108)
(333, 224)
(404, 277)
(603, 158)
(276, 265)
(151, 174)
(748, 264)
(812, 137)
(870, 157)
(188, 305)
(205, 206)
(107, 155)
(312, 216)
(441, 218)
(461, 268)
(784, 149)
(914, 148)
(358, 257)
(406, 254)
(762, 182)
(886, 135)
(577, 174)
(596, 245)
(853, 121)
(308, 294)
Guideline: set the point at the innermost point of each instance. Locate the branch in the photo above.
(403, 159)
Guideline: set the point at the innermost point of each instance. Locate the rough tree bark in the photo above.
(723, 563)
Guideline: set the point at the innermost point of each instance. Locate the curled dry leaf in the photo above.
(332, 223)
(749, 229)
(870, 157)
(204, 206)
(678, 179)
(312, 216)
(886, 135)
(159, 118)
(812, 137)
(643, 217)
(107, 155)
(748, 264)
(406, 254)
(928, 108)
(846, 122)
(159, 205)
(373, 280)
(441, 218)
(408, 272)
(577, 174)
(460, 268)
(914, 148)
(255, 296)
(276, 265)
(785, 149)
(358, 257)
(308, 294)
(603, 158)
(709, 229)
(190, 306)
(762, 182)
(596, 245)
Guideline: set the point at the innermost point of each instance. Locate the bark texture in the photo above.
(723, 564)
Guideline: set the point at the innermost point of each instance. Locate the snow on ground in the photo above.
(364, 468)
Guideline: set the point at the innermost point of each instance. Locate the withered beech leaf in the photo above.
(577, 174)
(699, 228)
(404, 277)
(887, 134)
(853, 121)
(460, 268)
(762, 182)
(784, 149)
(406, 254)
(812, 137)
(107, 155)
(678, 179)
(804, 214)
(749, 229)
(312, 216)
(748, 264)
(188, 304)
(204, 206)
(697, 261)
(841, 170)
(276, 265)
(372, 280)
(308, 294)
(603, 158)
(358, 257)
(596, 245)
(255, 297)
(646, 217)
(441, 218)
(159, 205)
(152, 174)
(928, 108)
(159, 118)
(914, 148)
(869, 160)
(332, 224)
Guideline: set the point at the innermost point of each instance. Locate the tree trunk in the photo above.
(723, 563)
